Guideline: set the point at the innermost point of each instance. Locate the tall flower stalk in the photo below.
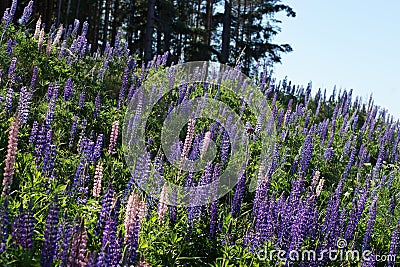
(10, 158)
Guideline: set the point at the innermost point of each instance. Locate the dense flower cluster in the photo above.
(330, 173)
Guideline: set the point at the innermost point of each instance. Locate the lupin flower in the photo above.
(27, 13)
(113, 137)
(24, 105)
(68, 90)
(41, 39)
(111, 245)
(225, 147)
(173, 209)
(369, 260)
(77, 254)
(306, 154)
(162, 204)
(319, 188)
(189, 138)
(49, 47)
(48, 160)
(329, 154)
(85, 27)
(23, 228)
(9, 100)
(34, 77)
(122, 91)
(82, 100)
(58, 35)
(97, 179)
(98, 148)
(73, 130)
(10, 12)
(370, 225)
(213, 218)
(4, 225)
(10, 47)
(10, 158)
(239, 193)
(63, 49)
(37, 28)
(97, 105)
(76, 27)
(135, 211)
(394, 247)
(51, 107)
(50, 236)
(11, 70)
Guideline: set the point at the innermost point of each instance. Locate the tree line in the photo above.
(224, 30)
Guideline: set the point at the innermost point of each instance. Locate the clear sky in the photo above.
(348, 43)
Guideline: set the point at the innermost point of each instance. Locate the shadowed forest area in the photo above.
(219, 30)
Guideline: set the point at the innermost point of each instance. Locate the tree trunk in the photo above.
(237, 28)
(198, 14)
(159, 39)
(67, 15)
(95, 25)
(58, 12)
(78, 3)
(115, 21)
(106, 21)
(207, 35)
(226, 32)
(130, 23)
(148, 40)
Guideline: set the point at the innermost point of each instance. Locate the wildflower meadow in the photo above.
(308, 171)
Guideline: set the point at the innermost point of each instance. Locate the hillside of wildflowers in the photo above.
(68, 197)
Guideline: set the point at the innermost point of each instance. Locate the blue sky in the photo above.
(348, 43)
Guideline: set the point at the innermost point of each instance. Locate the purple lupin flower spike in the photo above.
(24, 105)
(97, 102)
(105, 209)
(124, 86)
(85, 28)
(82, 100)
(10, 47)
(9, 100)
(52, 105)
(50, 235)
(370, 225)
(4, 225)
(27, 13)
(73, 130)
(306, 154)
(98, 149)
(110, 253)
(172, 209)
(23, 228)
(34, 78)
(11, 70)
(239, 194)
(76, 27)
(64, 236)
(369, 261)
(394, 246)
(214, 205)
(68, 90)
(9, 13)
